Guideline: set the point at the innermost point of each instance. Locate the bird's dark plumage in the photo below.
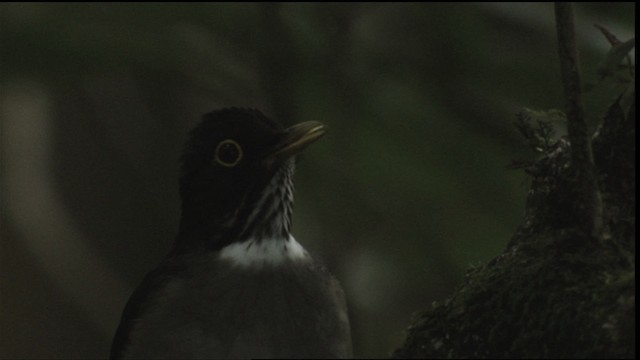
(237, 284)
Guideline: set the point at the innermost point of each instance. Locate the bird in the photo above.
(236, 283)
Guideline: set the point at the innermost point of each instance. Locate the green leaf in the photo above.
(614, 57)
(628, 98)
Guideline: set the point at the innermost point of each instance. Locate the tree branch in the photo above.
(588, 205)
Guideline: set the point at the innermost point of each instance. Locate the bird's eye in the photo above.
(228, 153)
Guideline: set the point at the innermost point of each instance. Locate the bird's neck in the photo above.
(263, 215)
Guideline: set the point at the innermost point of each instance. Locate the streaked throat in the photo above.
(265, 237)
(271, 214)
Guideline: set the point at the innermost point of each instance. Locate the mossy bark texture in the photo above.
(557, 291)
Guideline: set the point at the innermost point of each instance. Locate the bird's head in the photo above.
(237, 176)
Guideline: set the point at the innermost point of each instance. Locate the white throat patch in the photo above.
(256, 253)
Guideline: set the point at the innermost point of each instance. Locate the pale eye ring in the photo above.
(228, 153)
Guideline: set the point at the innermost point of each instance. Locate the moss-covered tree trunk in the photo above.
(565, 284)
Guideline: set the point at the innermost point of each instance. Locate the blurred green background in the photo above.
(408, 188)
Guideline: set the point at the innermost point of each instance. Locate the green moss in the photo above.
(525, 305)
(556, 291)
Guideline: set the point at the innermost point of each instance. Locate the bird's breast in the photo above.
(259, 253)
(263, 302)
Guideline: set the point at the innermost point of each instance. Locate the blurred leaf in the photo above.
(629, 97)
(614, 57)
